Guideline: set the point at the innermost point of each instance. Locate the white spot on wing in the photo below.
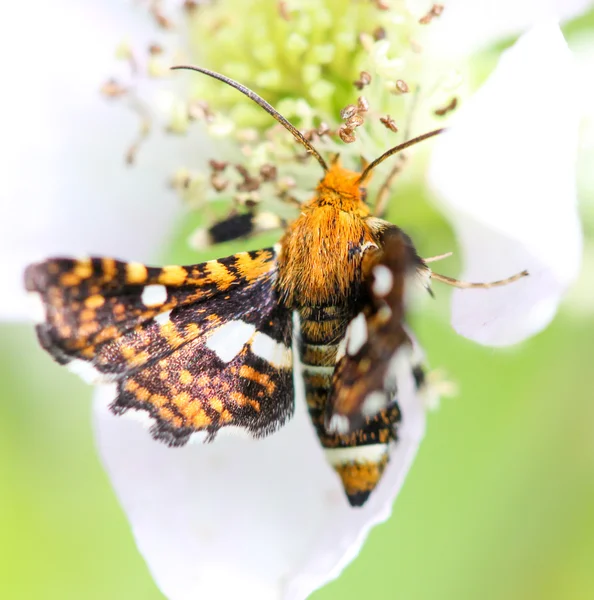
(36, 307)
(338, 424)
(383, 282)
(356, 334)
(163, 318)
(400, 366)
(228, 340)
(276, 353)
(341, 350)
(154, 295)
(87, 371)
(370, 453)
(374, 402)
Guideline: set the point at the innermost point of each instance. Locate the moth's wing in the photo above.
(376, 344)
(197, 347)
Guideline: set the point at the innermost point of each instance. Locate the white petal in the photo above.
(506, 175)
(260, 519)
(467, 25)
(65, 188)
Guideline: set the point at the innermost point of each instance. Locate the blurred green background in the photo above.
(498, 505)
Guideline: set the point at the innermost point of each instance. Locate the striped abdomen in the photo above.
(361, 456)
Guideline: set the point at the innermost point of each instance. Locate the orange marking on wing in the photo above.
(136, 273)
(192, 330)
(127, 352)
(185, 377)
(139, 359)
(239, 398)
(226, 416)
(264, 380)
(253, 268)
(88, 352)
(119, 309)
(69, 280)
(142, 394)
(83, 268)
(109, 268)
(191, 410)
(158, 400)
(219, 275)
(65, 331)
(168, 415)
(216, 404)
(90, 328)
(130, 385)
(203, 381)
(182, 399)
(95, 301)
(201, 420)
(108, 333)
(172, 275)
(173, 336)
(88, 314)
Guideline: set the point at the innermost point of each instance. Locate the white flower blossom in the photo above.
(507, 176)
(467, 26)
(268, 519)
(66, 189)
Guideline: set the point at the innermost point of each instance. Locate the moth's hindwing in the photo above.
(198, 347)
(364, 381)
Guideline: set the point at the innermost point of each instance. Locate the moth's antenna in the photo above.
(396, 150)
(260, 102)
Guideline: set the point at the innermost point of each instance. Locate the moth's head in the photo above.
(341, 182)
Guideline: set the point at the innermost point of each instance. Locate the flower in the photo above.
(267, 519)
(292, 531)
(66, 187)
(492, 173)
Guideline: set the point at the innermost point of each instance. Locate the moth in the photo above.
(207, 346)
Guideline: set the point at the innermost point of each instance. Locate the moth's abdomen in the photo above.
(358, 457)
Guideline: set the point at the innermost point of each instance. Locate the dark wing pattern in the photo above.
(197, 347)
(364, 381)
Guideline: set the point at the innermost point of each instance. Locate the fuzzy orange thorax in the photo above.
(320, 259)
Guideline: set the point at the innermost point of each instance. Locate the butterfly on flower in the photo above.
(209, 346)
